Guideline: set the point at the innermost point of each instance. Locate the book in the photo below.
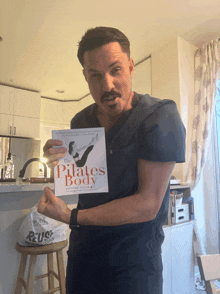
(84, 168)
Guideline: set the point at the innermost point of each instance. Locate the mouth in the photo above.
(110, 99)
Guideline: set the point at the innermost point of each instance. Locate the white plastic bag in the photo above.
(37, 230)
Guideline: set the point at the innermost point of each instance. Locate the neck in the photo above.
(108, 121)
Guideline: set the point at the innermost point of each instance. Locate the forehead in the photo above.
(104, 56)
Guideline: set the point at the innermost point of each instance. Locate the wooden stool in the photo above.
(33, 252)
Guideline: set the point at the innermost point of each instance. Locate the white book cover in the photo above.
(84, 168)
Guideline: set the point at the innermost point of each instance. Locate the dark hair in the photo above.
(99, 36)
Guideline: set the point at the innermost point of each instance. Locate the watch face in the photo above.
(74, 226)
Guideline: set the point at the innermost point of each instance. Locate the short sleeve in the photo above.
(161, 137)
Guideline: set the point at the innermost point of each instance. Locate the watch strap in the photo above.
(73, 219)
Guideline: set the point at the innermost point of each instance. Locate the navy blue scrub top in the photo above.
(151, 130)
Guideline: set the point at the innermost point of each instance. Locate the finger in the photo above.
(53, 160)
(55, 151)
(41, 204)
(52, 164)
(55, 157)
(50, 143)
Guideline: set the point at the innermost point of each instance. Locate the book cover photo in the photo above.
(84, 168)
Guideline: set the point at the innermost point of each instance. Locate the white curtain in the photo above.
(207, 65)
(206, 72)
(211, 194)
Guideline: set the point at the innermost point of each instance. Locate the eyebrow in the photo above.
(111, 65)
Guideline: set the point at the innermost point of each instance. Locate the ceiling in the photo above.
(40, 38)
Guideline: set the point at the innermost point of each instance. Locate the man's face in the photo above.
(108, 72)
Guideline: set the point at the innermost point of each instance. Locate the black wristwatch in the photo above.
(73, 219)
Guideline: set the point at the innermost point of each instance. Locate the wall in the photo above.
(166, 80)
(165, 73)
(173, 78)
(141, 82)
(186, 76)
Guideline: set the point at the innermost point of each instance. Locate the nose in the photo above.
(107, 83)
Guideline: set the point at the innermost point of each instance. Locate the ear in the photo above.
(131, 66)
(84, 73)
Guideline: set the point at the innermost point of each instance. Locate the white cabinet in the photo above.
(19, 112)
(167, 262)
(6, 124)
(183, 280)
(26, 126)
(177, 255)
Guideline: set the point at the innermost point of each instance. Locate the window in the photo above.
(218, 121)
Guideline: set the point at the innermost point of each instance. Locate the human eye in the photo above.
(95, 76)
(116, 70)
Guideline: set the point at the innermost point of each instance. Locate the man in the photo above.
(116, 237)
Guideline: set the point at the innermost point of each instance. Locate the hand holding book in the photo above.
(84, 168)
(54, 154)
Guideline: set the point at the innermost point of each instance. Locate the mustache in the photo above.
(109, 94)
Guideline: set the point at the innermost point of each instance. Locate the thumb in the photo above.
(49, 194)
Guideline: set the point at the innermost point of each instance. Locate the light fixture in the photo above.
(60, 91)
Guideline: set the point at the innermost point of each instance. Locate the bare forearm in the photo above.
(132, 209)
(141, 207)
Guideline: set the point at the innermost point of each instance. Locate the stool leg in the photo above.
(30, 279)
(61, 272)
(50, 269)
(21, 271)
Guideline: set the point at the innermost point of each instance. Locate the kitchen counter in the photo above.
(23, 187)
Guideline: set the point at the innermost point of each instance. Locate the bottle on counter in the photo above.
(8, 170)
